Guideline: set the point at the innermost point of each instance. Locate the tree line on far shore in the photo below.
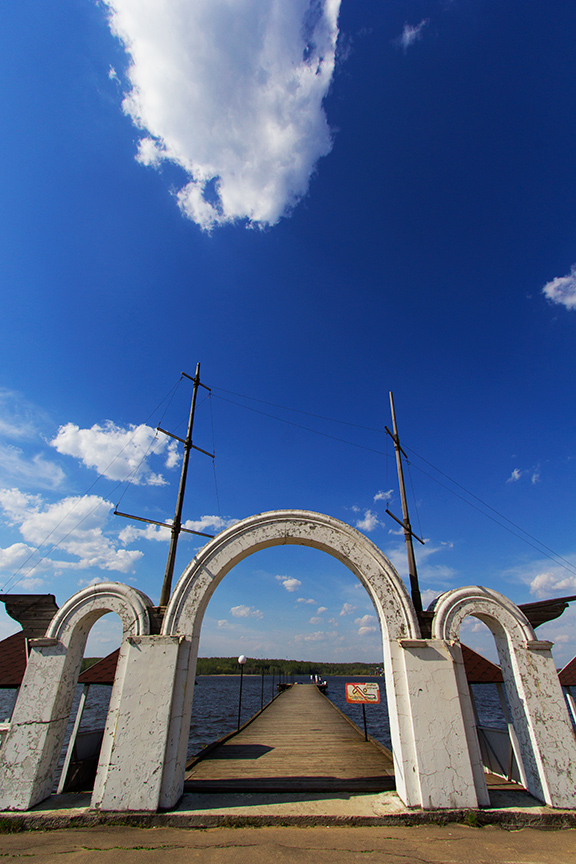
(285, 668)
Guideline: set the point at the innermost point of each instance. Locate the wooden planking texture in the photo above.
(299, 742)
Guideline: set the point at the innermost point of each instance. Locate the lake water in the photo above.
(215, 711)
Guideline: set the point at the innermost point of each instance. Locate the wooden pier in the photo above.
(300, 742)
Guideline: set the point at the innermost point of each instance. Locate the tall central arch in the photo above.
(398, 621)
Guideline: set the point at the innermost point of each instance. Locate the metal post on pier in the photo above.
(241, 661)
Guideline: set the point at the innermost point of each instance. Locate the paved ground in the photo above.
(287, 845)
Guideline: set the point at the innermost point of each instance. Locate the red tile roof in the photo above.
(12, 660)
(101, 672)
(568, 674)
(478, 669)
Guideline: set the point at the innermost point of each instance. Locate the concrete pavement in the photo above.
(425, 844)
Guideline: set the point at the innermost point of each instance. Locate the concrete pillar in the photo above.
(542, 723)
(442, 766)
(135, 739)
(29, 756)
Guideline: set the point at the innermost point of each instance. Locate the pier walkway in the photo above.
(300, 742)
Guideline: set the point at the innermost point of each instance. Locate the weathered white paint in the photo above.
(135, 740)
(29, 756)
(436, 754)
(545, 735)
(422, 778)
(443, 761)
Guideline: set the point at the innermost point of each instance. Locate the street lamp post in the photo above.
(241, 661)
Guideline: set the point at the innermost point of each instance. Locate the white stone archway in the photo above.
(29, 756)
(423, 777)
(541, 721)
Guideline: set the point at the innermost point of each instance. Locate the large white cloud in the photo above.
(562, 290)
(115, 452)
(75, 525)
(232, 92)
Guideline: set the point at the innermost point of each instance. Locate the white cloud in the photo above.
(366, 625)
(14, 556)
(19, 419)
(309, 600)
(318, 636)
(222, 622)
(347, 609)
(96, 580)
(383, 496)
(115, 452)
(206, 524)
(369, 522)
(232, 93)
(37, 470)
(548, 583)
(411, 34)
(365, 620)
(315, 620)
(74, 524)
(562, 290)
(246, 612)
(321, 609)
(438, 574)
(517, 473)
(428, 595)
(289, 582)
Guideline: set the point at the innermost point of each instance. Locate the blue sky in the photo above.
(320, 202)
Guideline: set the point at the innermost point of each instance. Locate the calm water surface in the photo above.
(215, 711)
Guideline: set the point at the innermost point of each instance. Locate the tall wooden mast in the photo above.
(176, 526)
(405, 522)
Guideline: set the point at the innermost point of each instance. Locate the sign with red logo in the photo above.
(363, 694)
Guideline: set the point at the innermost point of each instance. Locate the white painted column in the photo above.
(29, 756)
(179, 731)
(545, 733)
(443, 765)
(131, 763)
(401, 727)
(470, 725)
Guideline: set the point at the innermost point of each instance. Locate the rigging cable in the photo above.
(554, 556)
(214, 458)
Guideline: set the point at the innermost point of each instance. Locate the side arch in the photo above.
(84, 608)
(29, 756)
(543, 728)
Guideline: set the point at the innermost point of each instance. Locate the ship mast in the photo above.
(176, 526)
(405, 522)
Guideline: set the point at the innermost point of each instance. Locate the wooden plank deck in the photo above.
(300, 742)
